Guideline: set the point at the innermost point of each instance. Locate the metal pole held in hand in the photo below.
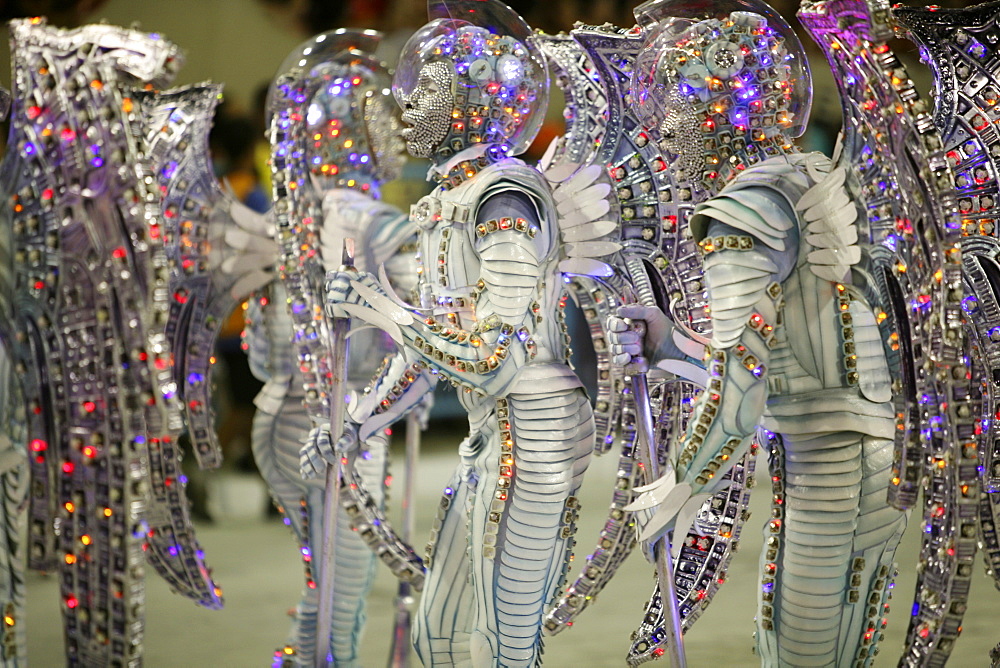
(339, 328)
(650, 459)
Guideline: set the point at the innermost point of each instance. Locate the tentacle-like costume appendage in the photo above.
(85, 311)
(209, 269)
(656, 251)
(196, 216)
(960, 46)
(911, 270)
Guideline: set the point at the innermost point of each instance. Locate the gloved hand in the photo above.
(645, 336)
(340, 291)
(318, 451)
(639, 345)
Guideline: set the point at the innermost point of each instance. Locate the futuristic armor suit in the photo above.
(491, 323)
(348, 106)
(795, 348)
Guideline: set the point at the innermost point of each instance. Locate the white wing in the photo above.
(249, 251)
(586, 222)
(830, 217)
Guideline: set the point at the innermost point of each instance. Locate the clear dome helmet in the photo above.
(737, 62)
(471, 76)
(349, 124)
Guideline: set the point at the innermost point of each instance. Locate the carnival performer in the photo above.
(490, 321)
(350, 145)
(795, 347)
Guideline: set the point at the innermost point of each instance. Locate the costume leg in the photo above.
(276, 444)
(523, 518)
(444, 618)
(880, 528)
(831, 530)
(276, 440)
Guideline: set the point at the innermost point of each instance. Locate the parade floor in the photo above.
(257, 565)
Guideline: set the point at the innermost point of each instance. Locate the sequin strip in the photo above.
(717, 369)
(399, 387)
(458, 335)
(500, 497)
(442, 512)
(729, 242)
(850, 358)
(504, 224)
(776, 462)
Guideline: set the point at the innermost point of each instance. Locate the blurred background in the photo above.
(241, 43)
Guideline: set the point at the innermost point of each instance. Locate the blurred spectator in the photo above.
(61, 13)
(231, 143)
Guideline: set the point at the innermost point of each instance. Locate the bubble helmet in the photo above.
(351, 124)
(732, 69)
(472, 76)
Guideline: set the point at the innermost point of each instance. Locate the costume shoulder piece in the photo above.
(458, 203)
(745, 206)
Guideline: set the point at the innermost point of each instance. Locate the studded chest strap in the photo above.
(431, 210)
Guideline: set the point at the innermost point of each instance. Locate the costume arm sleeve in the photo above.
(745, 301)
(511, 253)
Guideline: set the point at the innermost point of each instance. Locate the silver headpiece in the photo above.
(715, 81)
(471, 77)
(350, 128)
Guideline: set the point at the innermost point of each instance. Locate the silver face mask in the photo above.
(428, 109)
(681, 137)
(382, 123)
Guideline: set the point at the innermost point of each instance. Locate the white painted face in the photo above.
(428, 109)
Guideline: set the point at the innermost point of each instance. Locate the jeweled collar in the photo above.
(466, 164)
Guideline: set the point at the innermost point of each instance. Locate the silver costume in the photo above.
(334, 136)
(490, 322)
(85, 309)
(796, 347)
(961, 505)
(651, 236)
